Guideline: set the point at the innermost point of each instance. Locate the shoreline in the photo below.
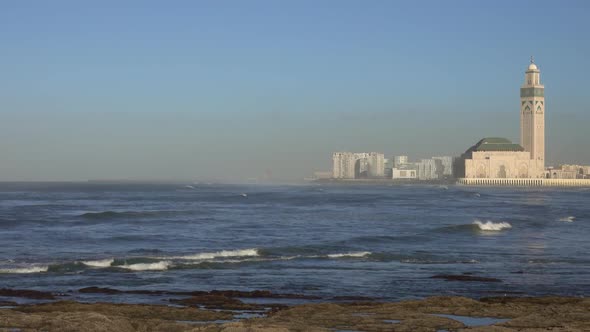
(244, 311)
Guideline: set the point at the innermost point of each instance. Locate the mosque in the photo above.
(496, 157)
(498, 161)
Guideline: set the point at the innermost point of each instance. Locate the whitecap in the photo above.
(158, 266)
(23, 270)
(99, 263)
(351, 254)
(220, 254)
(492, 226)
(568, 219)
(288, 258)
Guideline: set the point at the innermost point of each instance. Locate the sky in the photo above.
(233, 90)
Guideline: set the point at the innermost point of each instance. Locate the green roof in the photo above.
(496, 144)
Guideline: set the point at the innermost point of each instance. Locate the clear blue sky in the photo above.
(229, 89)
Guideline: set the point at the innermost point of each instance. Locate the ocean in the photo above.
(330, 241)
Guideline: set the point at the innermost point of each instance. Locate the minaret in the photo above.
(532, 117)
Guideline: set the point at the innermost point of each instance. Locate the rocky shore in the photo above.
(239, 311)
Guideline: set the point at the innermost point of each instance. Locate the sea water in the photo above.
(323, 240)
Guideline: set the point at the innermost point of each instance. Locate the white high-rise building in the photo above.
(376, 164)
(447, 165)
(427, 169)
(348, 165)
(400, 161)
(343, 165)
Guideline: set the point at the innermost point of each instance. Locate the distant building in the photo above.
(343, 165)
(569, 172)
(447, 166)
(561, 174)
(376, 165)
(399, 161)
(361, 166)
(348, 165)
(388, 162)
(387, 173)
(428, 170)
(401, 174)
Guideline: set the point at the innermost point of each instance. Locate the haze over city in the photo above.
(237, 90)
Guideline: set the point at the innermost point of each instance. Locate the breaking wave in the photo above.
(350, 254)
(216, 260)
(222, 254)
(567, 219)
(227, 259)
(99, 263)
(492, 226)
(158, 266)
(25, 270)
(440, 261)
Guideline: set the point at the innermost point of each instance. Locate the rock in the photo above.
(25, 293)
(72, 316)
(546, 300)
(100, 290)
(142, 311)
(260, 294)
(464, 277)
(226, 293)
(215, 302)
(8, 304)
(525, 314)
(353, 298)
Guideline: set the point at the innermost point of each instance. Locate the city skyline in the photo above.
(212, 93)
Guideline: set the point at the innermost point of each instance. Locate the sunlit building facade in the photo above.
(496, 157)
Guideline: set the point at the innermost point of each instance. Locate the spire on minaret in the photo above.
(532, 66)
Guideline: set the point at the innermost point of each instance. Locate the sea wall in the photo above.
(524, 182)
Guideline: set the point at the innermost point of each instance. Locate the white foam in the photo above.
(568, 219)
(351, 254)
(492, 226)
(258, 259)
(29, 269)
(221, 254)
(99, 263)
(158, 266)
(288, 258)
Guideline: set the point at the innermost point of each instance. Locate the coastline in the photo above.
(262, 311)
(395, 182)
